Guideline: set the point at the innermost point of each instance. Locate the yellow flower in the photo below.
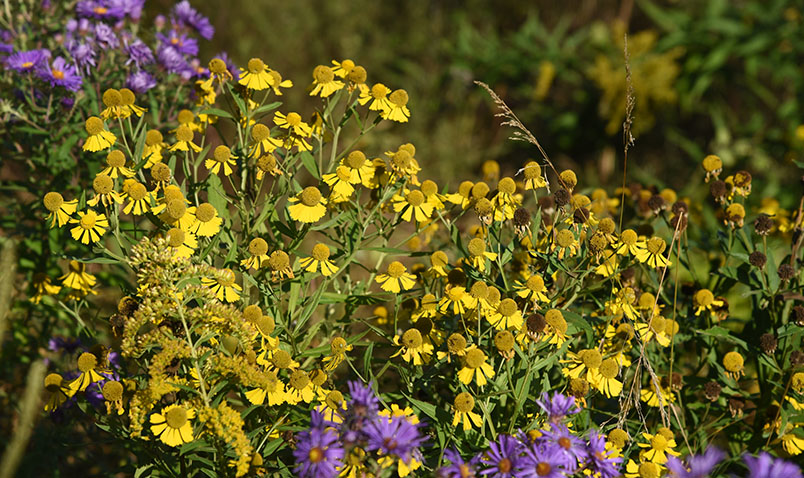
(182, 243)
(361, 170)
(256, 76)
(507, 316)
(293, 123)
(43, 287)
(338, 348)
(274, 391)
(396, 278)
(533, 176)
(221, 158)
(116, 165)
(128, 102)
(90, 226)
(475, 367)
(705, 300)
(608, 383)
(263, 142)
(397, 109)
(343, 68)
(478, 254)
(629, 243)
(319, 259)
(207, 223)
(176, 213)
(733, 363)
(585, 364)
(656, 328)
(533, 289)
(566, 243)
(645, 469)
(463, 405)
(324, 82)
(112, 100)
(658, 447)
(652, 253)
(653, 399)
(60, 210)
(184, 140)
(57, 392)
(154, 145)
(412, 206)
(87, 365)
(258, 257)
(99, 137)
(378, 95)
(456, 345)
(555, 332)
(413, 347)
(279, 264)
(267, 164)
(278, 82)
(103, 187)
(218, 71)
(438, 263)
(173, 426)
(77, 278)
(224, 287)
(455, 298)
(339, 183)
(464, 195)
(308, 206)
(431, 195)
(299, 388)
(504, 201)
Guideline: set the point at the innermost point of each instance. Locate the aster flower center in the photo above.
(479, 290)
(87, 362)
(100, 10)
(648, 470)
(205, 212)
(227, 279)
(176, 417)
(311, 196)
(112, 97)
(57, 74)
(88, 220)
(316, 455)
(505, 465)
(543, 469)
(266, 163)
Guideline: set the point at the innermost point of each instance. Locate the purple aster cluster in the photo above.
(98, 30)
(554, 452)
(702, 466)
(321, 448)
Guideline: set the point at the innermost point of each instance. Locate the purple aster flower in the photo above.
(67, 102)
(131, 8)
(6, 48)
(105, 36)
(597, 459)
(140, 82)
(696, 466)
(458, 468)
(765, 466)
(63, 344)
(100, 9)
(138, 53)
(504, 458)
(187, 16)
(81, 27)
(173, 61)
(395, 436)
(159, 22)
(181, 42)
(318, 453)
(83, 54)
(25, 61)
(362, 409)
(543, 462)
(568, 448)
(61, 73)
(558, 407)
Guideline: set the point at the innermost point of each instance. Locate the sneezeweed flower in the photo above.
(279, 265)
(103, 186)
(533, 176)
(77, 277)
(224, 286)
(533, 289)
(361, 170)
(219, 71)
(455, 300)
(657, 449)
(88, 367)
(733, 363)
(128, 99)
(713, 166)
(61, 73)
(652, 253)
(116, 165)
(324, 82)
(113, 101)
(263, 142)
(278, 82)
(154, 145)
(414, 348)
(255, 76)
(608, 383)
(173, 426)
(462, 406)
(299, 388)
(507, 315)
(397, 109)
(42, 287)
(705, 300)
(505, 202)
(478, 254)
(112, 392)
(206, 222)
(644, 469)
(584, 364)
(695, 466)
(629, 243)
(184, 140)
(412, 206)
(319, 259)
(266, 164)
(339, 184)
(396, 278)
(566, 244)
(90, 226)
(734, 215)
(60, 210)
(555, 332)
(378, 96)
(338, 348)
(221, 159)
(309, 206)
(475, 367)
(56, 391)
(318, 452)
(99, 137)
(504, 458)
(258, 254)
(182, 243)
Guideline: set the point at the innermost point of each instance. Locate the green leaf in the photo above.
(268, 107)
(216, 195)
(217, 112)
(309, 164)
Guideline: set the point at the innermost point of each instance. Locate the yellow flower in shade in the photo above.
(337, 354)
(456, 345)
(113, 102)
(533, 289)
(361, 170)
(414, 348)
(733, 363)
(475, 367)
(184, 140)
(713, 166)
(653, 399)
(396, 278)
(278, 82)
(658, 447)
(608, 383)
(507, 316)
(643, 469)
(263, 142)
(56, 391)
(629, 243)
(622, 303)
(324, 82)
(478, 254)
(154, 145)
(87, 365)
(218, 71)
(182, 243)
(91, 226)
(99, 137)
(339, 184)
(428, 309)
(333, 407)
(378, 96)
(77, 277)
(652, 253)
(438, 264)
(319, 259)
(173, 426)
(705, 300)
(279, 264)
(221, 159)
(412, 206)
(256, 76)
(224, 286)
(258, 254)
(299, 388)
(431, 195)
(463, 405)
(273, 390)
(397, 109)
(60, 210)
(505, 202)
(565, 243)
(454, 300)
(308, 206)
(266, 164)
(206, 222)
(129, 98)
(533, 176)
(555, 332)
(42, 287)
(585, 364)
(655, 329)
(103, 186)
(116, 165)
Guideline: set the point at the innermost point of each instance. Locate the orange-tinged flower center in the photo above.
(57, 74)
(505, 465)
